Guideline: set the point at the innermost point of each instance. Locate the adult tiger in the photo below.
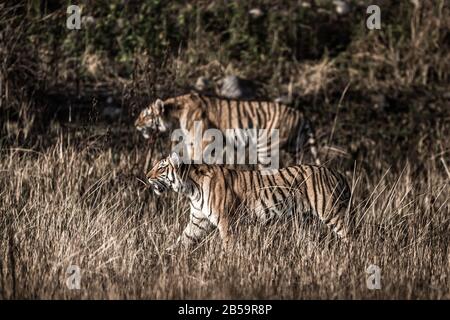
(294, 129)
(216, 194)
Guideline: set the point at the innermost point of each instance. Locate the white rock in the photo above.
(305, 4)
(233, 87)
(203, 84)
(342, 7)
(256, 12)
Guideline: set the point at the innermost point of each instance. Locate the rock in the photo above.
(341, 7)
(256, 13)
(233, 87)
(203, 84)
(305, 4)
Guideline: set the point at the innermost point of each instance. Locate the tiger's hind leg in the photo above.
(337, 225)
(336, 221)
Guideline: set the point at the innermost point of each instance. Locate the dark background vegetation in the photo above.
(379, 100)
(393, 80)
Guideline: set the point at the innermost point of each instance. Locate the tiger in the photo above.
(295, 131)
(217, 193)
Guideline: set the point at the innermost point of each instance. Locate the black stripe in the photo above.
(262, 117)
(230, 124)
(193, 215)
(271, 114)
(305, 183)
(329, 183)
(288, 173)
(239, 115)
(294, 175)
(199, 226)
(246, 118)
(217, 110)
(324, 185)
(256, 183)
(314, 183)
(190, 237)
(266, 192)
(246, 178)
(279, 197)
(211, 195)
(285, 181)
(219, 216)
(200, 220)
(205, 101)
(253, 114)
(200, 193)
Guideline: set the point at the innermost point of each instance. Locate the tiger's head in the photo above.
(165, 175)
(153, 119)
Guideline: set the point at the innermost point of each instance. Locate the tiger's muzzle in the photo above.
(149, 133)
(158, 186)
(146, 132)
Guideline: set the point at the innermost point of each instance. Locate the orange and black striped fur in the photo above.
(295, 130)
(217, 193)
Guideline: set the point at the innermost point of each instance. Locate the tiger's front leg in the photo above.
(197, 229)
(223, 216)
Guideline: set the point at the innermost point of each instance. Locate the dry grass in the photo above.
(73, 205)
(71, 196)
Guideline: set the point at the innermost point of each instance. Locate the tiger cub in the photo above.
(294, 129)
(217, 193)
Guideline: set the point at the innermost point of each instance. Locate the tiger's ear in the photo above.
(159, 105)
(175, 159)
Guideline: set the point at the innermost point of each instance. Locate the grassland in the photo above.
(70, 191)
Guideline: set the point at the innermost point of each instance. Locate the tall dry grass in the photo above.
(72, 196)
(83, 204)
